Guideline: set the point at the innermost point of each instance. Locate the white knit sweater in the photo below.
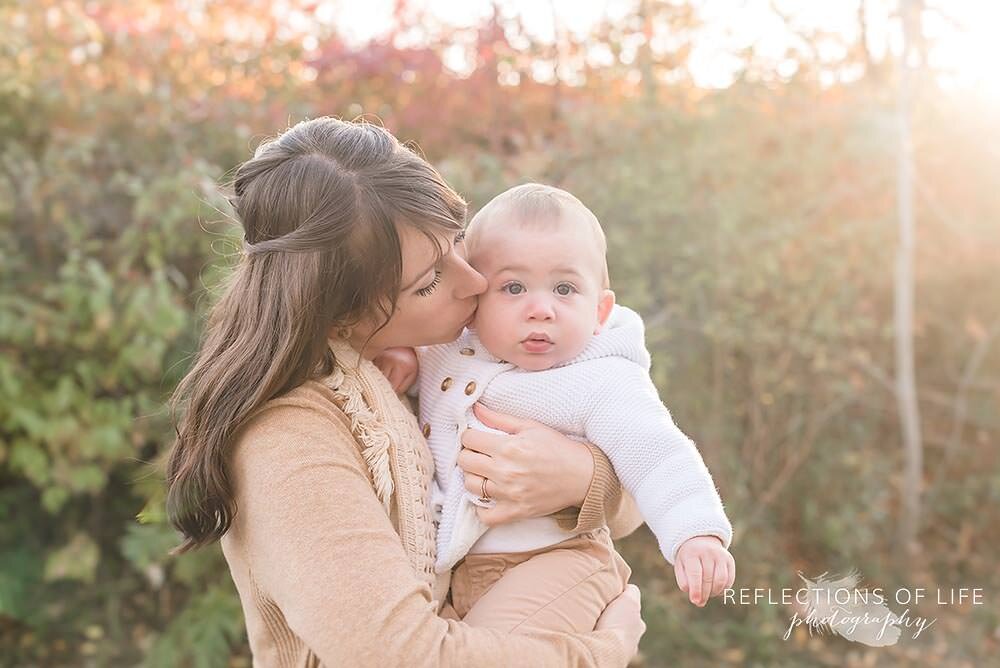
(604, 396)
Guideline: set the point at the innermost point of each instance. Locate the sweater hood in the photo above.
(623, 335)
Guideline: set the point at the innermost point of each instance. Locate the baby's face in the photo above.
(545, 297)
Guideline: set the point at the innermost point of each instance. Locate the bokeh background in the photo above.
(748, 161)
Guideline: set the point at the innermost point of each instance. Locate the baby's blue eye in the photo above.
(513, 288)
(565, 289)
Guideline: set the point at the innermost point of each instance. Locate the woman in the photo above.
(296, 453)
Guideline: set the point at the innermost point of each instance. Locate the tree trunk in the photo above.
(906, 391)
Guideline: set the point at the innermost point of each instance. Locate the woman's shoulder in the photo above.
(312, 396)
(293, 442)
(302, 420)
(312, 400)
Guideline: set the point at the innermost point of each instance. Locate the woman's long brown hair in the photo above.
(319, 206)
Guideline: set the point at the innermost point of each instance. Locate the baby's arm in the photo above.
(662, 469)
(400, 366)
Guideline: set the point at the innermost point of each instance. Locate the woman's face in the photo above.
(437, 298)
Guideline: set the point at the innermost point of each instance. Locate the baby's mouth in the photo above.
(537, 342)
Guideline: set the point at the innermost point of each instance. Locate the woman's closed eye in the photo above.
(429, 288)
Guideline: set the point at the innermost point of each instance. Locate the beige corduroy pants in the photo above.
(563, 587)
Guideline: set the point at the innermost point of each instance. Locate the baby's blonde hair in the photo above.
(537, 206)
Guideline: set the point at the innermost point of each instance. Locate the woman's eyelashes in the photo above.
(429, 288)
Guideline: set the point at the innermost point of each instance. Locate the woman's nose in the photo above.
(469, 282)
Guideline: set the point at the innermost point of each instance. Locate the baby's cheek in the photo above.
(492, 309)
(578, 340)
(491, 326)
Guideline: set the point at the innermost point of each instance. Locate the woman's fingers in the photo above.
(501, 513)
(626, 606)
(501, 421)
(483, 441)
(477, 464)
(474, 485)
(536, 472)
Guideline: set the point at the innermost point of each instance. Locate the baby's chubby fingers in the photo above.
(499, 514)
(721, 579)
(384, 365)
(395, 377)
(709, 567)
(396, 364)
(694, 571)
(409, 380)
(681, 576)
(707, 578)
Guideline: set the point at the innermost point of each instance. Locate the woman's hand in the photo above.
(623, 616)
(531, 471)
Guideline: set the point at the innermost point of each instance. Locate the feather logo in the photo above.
(835, 604)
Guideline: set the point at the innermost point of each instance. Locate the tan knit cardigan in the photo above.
(332, 547)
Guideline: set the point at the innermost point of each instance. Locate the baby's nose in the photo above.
(540, 309)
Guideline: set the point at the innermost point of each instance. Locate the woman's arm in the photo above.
(606, 503)
(537, 471)
(321, 547)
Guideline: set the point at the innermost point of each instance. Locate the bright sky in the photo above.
(965, 32)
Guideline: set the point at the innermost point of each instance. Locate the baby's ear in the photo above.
(604, 305)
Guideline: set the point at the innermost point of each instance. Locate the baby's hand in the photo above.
(704, 568)
(399, 365)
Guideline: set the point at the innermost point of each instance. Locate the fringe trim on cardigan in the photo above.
(395, 452)
(367, 429)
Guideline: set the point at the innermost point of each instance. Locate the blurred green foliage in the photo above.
(753, 228)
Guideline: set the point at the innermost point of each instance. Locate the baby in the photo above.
(548, 343)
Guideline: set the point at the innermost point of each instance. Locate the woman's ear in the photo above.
(604, 305)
